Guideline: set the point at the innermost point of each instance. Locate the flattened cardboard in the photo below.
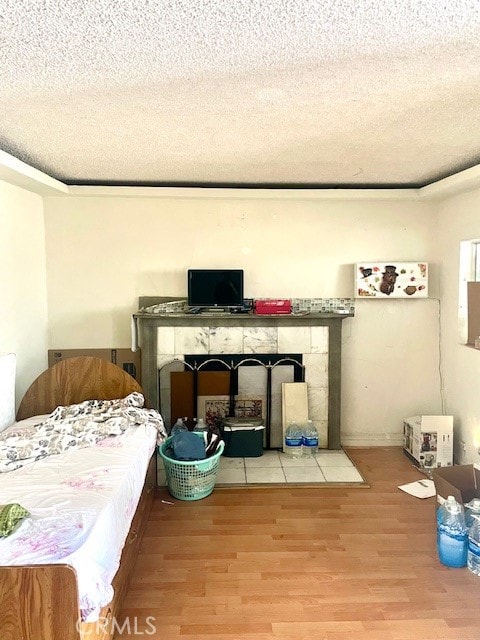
(181, 396)
(294, 404)
(128, 360)
(473, 296)
(213, 383)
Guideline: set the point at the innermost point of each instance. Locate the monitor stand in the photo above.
(209, 310)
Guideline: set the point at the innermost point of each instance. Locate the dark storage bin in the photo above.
(243, 438)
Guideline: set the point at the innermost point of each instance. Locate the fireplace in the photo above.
(167, 338)
(218, 385)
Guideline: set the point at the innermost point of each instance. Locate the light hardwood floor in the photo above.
(301, 564)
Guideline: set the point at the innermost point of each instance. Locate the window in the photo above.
(476, 260)
(469, 291)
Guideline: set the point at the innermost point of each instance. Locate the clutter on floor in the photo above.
(191, 461)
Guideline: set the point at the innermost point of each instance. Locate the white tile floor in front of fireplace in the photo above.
(274, 467)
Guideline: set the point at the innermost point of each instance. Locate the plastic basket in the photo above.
(191, 480)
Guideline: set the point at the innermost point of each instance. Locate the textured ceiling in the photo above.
(292, 92)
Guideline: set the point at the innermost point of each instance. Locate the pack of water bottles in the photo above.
(458, 534)
(301, 440)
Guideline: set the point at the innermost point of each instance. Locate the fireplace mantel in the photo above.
(150, 324)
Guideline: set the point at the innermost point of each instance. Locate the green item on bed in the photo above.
(10, 516)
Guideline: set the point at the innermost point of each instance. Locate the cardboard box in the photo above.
(473, 303)
(126, 359)
(428, 440)
(460, 481)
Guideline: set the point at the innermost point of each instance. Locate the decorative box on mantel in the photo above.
(165, 337)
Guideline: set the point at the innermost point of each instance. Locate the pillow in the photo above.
(24, 425)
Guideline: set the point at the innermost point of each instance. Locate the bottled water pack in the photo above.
(293, 440)
(310, 439)
(472, 517)
(473, 554)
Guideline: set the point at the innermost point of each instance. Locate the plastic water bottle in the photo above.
(178, 426)
(310, 439)
(473, 554)
(472, 509)
(452, 539)
(200, 425)
(293, 441)
(472, 519)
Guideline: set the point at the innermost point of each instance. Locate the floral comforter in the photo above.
(75, 426)
(82, 501)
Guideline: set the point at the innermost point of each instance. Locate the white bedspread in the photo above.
(81, 504)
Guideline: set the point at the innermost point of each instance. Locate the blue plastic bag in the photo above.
(187, 445)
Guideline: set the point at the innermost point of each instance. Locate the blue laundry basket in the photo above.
(191, 480)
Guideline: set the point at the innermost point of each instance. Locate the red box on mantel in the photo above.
(272, 307)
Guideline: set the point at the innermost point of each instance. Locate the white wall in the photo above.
(104, 252)
(459, 219)
(23, 294)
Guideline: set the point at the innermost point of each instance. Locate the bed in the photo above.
(88, 506)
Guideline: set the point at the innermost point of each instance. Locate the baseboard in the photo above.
(372, 439)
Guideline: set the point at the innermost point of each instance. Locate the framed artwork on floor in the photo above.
(248, 406)
(213, 409)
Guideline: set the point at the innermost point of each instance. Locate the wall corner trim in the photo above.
(20, 174)
(461, 182)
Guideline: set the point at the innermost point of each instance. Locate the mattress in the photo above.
(81, 505)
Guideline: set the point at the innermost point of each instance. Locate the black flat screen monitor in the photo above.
(215, 287)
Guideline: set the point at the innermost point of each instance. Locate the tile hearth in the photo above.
(274, 467)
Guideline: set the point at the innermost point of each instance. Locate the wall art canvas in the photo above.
(391, 280)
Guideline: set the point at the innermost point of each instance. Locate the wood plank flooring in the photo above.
(301, 564)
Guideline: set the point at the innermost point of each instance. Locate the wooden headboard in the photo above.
(75, 380)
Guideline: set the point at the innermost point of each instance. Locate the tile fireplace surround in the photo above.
(166, 337)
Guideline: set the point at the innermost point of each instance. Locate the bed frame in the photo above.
(40, 602)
